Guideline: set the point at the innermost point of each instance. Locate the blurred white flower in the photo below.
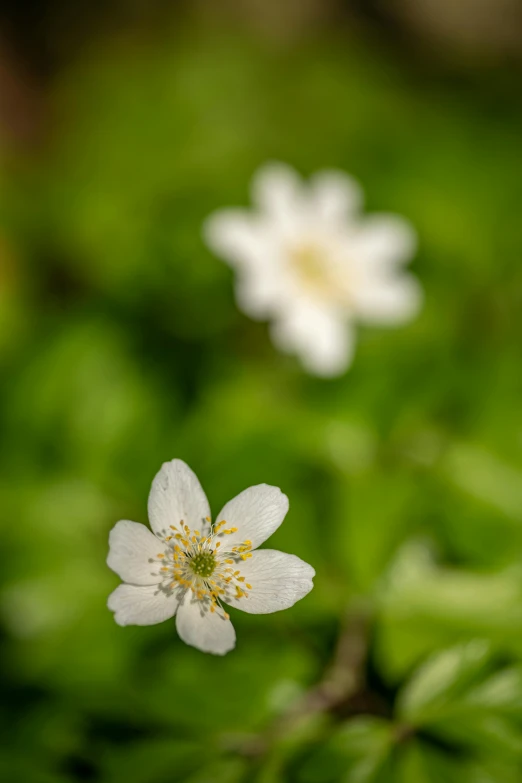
(311, 264)
(188, 566)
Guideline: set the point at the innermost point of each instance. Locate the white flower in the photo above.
(307, 261)
(189, 567)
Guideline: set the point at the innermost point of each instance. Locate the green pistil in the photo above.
(203, 564)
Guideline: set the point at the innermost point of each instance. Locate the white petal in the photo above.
(256, 297)
(261, 294)
(201, 628)
(176, 495)
(233, 234)
(131, 547)
(389, 302)
(278, 191)
(335, 196)
(142, 605)
(384, 240)
(277, 581)
(256, 512)
(321, 338)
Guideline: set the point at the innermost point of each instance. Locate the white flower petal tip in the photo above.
(132, 547)
(391, 304)
(133, 605)
(254, 514)
(311, 264)
(190, 567)
(198, 626)
(231, 233)
(278, 581)
(329, 354)
(336, 195)
(177, 494)
(275, 187)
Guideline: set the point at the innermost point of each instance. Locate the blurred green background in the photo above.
(123, 126)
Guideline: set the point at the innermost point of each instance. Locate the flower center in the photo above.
(309, 262)
(203, 563)
(319, 272)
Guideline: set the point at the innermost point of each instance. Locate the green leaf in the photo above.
(501, 692)
(425, 607)
(357, 752)
(483, 475)
(442, 678)
(477, 731)
(418, 762)
(448, 698)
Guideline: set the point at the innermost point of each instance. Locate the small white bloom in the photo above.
(307, 261)
(189, 567)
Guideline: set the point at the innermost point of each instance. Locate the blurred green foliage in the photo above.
(121, 347)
